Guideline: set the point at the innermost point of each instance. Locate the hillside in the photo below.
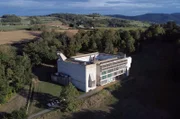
(155, 18)
(88, 21)
(66, 21)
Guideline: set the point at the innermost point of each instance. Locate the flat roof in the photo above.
(83, 55)
(95, 57)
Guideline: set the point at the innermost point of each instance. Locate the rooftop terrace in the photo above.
(95, 57)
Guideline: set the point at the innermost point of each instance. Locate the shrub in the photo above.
(69, 96)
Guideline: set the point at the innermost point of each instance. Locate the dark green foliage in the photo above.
(44, 50)
(11, 20)
(18, 114)
(155, 18)
(94, 15)
(69, 96)
(108, 41)
(37, 27)
(15, 72)
(34, 20)
(169, 32)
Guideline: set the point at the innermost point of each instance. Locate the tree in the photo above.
(15, 72)
(17, 114)
(69, 96)
(35, 20)
(130, 45)
(109, 48)
(136, 34)
(129, 41)
(10, 20)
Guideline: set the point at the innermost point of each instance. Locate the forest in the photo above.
(15, 72)
(108, 41)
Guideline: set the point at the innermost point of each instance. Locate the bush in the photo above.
(18, 114)
(69, 96)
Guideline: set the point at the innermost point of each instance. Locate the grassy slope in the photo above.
(16, 102)
(47, 20)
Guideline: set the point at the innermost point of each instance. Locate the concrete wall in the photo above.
(76, 71)
(98, 74)
(80, 73)
(86, 58)
(90, 69)
(128, 65)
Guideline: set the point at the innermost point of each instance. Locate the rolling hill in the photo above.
(152, 17)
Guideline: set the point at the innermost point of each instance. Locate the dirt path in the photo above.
(18, 101)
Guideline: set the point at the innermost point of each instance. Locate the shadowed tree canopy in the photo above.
(10, 20)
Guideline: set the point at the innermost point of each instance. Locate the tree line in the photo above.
(10, 20)
(108, 41)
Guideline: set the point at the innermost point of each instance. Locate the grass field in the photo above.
(14, 27)
(49, 88)
(10, 37)
(43, 92)
(17, 36)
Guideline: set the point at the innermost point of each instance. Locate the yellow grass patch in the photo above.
(17, 36)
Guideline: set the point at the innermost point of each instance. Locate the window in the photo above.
(115, 73)
(122, 71)
(110, 70)
(103, 77)
(109, 75)
(104, 72)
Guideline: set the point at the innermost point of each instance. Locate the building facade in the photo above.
(88, 71)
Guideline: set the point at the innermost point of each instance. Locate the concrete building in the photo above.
(91, 70)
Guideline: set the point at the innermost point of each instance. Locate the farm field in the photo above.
(13, 27)
(17, 36)
(10, 37)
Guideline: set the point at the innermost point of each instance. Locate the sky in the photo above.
(124, 7)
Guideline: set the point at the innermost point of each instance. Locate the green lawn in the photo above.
(49, 88)
(43, 93)
(13, 27)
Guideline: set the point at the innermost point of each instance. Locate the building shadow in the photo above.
(41, 99)
(44, 72)
(86, 114)
(3, 114)
(34, 33)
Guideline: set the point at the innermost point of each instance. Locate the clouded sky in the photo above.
(125, 7)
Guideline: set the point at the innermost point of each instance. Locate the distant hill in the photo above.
(154, 18)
